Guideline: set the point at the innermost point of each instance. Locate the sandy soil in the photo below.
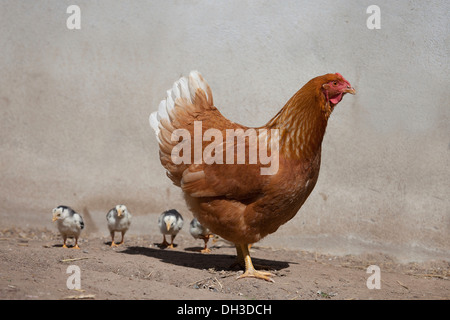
(33, 265)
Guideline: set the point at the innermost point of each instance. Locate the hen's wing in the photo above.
(190, 100)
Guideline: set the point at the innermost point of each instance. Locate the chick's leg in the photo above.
(76, 244)
(113, 244)
(123, 235)
(65, 239)
(205, 249)
(250, 271)
(172, 237)
(164, 243)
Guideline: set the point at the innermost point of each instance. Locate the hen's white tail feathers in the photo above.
(184, 89)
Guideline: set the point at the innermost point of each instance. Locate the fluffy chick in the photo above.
(200, 232)
(69, 222)
(118, 219)
(170, 222)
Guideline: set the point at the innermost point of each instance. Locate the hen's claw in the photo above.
(252, 273)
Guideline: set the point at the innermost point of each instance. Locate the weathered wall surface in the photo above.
(74, 108)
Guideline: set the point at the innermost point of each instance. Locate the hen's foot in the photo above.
(252, 273)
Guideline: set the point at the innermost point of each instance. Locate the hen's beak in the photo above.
(350, 90)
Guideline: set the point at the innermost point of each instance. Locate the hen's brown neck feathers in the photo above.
(302, 122)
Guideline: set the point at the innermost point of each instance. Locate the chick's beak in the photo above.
(119, 212)
(54, 219)
(168, 225)
(350, 89)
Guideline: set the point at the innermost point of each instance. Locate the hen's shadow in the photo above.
(200, 261)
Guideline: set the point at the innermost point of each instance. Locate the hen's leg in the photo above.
(250, 271)
(240, 261)
(239, 258)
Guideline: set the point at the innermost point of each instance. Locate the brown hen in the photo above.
(244, 183)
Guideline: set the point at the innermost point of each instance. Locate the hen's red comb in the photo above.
(340, 75)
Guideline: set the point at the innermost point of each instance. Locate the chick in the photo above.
(69, 223)
(118, 219)
(200, 232)
(170, 222)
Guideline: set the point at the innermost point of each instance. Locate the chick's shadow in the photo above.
(201, 261)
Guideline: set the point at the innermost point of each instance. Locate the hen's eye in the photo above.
(335, 83)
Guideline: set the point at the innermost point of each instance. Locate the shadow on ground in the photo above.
(198, 260)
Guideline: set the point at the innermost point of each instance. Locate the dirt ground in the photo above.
(33, 265)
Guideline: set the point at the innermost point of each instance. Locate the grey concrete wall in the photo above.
(74, 108)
